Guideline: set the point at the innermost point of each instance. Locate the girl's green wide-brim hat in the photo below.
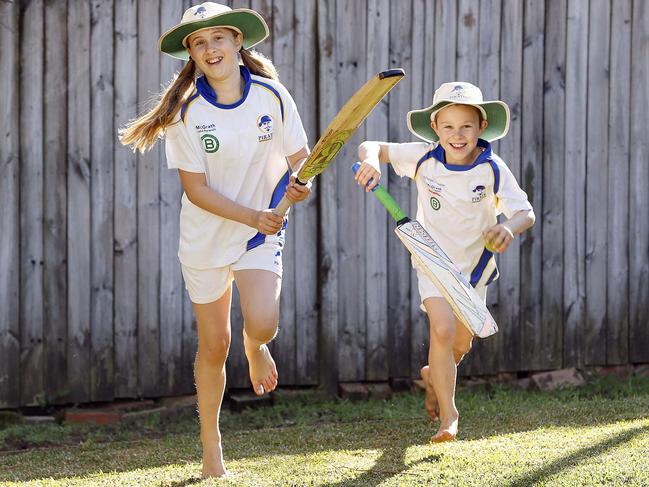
(460, 93)
(209, 14)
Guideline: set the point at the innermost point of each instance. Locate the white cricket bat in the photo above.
(467, 306)
(342, 127)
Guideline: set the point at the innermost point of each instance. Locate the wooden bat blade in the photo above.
(343, 126)
(467, 305)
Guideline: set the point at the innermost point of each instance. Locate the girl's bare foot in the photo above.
(447, 430)
(213, 466)
(430, 402)
(263, 373)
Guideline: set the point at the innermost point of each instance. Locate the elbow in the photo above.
(531, 219)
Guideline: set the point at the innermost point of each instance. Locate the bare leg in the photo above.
(461, 347)
(443, 371)
(259, 291)
(213, 321)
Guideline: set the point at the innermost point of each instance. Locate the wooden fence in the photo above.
(92, 303)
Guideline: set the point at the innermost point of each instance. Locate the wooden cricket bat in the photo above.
(467, 306)
(342, 127)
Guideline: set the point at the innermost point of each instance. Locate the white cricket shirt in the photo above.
(242, 150)
(456, 203)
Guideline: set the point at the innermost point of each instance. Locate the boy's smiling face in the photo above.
(458, 128)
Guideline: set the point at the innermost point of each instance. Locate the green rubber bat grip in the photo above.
(386, 200)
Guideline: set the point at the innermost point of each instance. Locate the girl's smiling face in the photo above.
(215, 51)
(458, 128)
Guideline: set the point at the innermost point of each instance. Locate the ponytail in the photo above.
(143, 132)
(259, 64)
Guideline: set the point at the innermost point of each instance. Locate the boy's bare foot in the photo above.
(447, 431)
(213, 466)
(263, 373)
(430, 402)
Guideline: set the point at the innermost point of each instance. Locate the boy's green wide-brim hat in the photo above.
(460, 93)
(209, 14)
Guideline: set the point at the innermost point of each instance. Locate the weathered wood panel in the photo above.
(399, 281)
(551, 215)
(172, 288)
(511, 55)
(639, 179)
(617, 237)
(305, 214)
(595, 342)
(78, 207)
(31, 204)
(54, 198)
(148, 209)
(10, 216)
(102, 374)
(574, 274)
(125, 196)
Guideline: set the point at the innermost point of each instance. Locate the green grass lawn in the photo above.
(595, 435)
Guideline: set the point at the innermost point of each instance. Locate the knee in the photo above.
(442, 333)
(261, 326)
(214, 349)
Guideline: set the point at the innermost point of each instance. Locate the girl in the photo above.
(461, 186)
(229, 132)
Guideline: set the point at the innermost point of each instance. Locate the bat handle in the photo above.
(282, 207)
(355, 167)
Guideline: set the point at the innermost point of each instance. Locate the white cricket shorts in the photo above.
(428, 290)
(207, 285)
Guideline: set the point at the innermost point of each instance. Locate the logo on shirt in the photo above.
(210, 143)
(479, 193)
(265, 124)
(434, 186)
(435, 204)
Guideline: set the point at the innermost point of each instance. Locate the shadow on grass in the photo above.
(575, 458)
(389, 464)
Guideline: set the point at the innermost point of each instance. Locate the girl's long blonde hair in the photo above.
(142, 132)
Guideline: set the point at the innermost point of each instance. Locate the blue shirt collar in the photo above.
(439, 154)
(206, 91)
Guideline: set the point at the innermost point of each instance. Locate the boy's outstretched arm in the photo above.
(498, 237)
(370, 154)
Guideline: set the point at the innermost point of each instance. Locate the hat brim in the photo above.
(497, 116)
(250, 23)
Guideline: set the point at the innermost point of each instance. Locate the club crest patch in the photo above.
(210, 143)
(200, 12)
(435, 204)
(479, 193)
(265, 125)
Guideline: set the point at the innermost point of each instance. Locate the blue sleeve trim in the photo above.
(476, 273)
(494, 275)
(278, 193)
(274, 92)
(494, 168)
(424, 158)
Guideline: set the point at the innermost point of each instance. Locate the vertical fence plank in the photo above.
(148, 209)
(171, 281)
(9, 200)
(617, 281)
(511, 57)
(468, 49)
(399, 281)
(284, 349)
(78, 209)
(328, 222)
(484, 357)
(639, 181)
(532, 183)
(102, 374)
(375, 218)
(552, 216)
(351, 242)
(55, 194)
(575, 182)
(595, 336)
(31, 202)
(305, 214)
(125, 212)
